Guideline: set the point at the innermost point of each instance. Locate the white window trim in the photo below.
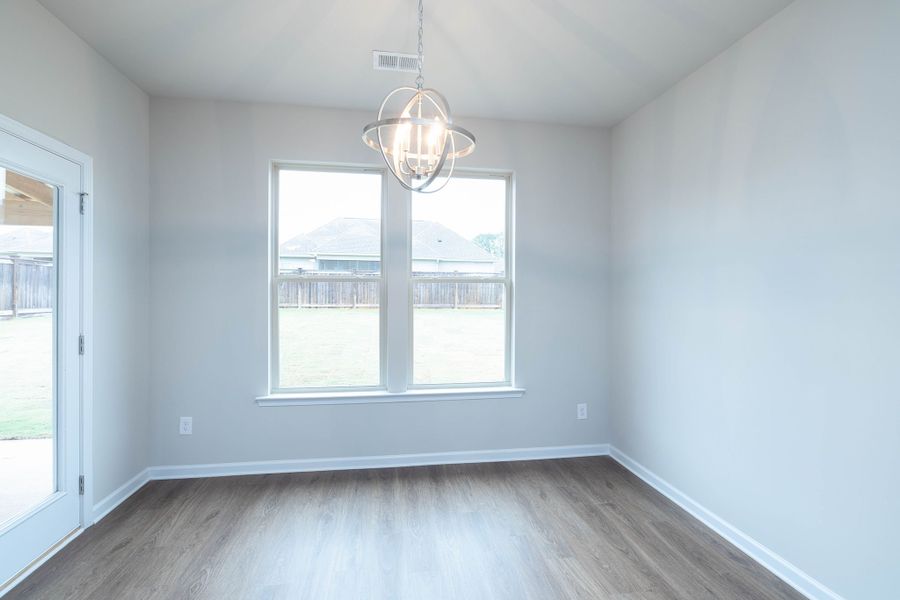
(385, 397)
(396, 342)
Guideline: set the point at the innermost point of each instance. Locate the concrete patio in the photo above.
(26, 475)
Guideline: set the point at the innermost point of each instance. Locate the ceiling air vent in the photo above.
(395, 61)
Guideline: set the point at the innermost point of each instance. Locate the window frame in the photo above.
(506, 280)
(275, 277)
(396, 349)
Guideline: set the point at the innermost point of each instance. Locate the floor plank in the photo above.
(571, 529)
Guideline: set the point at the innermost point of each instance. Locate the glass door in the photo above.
(39, 355)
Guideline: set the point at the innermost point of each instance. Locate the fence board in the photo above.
(458, 295)
(25, 284)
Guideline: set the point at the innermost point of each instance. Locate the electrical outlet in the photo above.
(582, 411)
(186, 426)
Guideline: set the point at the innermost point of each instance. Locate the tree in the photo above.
(493, 243)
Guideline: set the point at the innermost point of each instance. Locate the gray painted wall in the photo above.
(55, 83)
(756, 277)
(209, 184)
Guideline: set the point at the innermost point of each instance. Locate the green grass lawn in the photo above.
(26, 377)
(458, 346)
(323, 347)
(320, 347)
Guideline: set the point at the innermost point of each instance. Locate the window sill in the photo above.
(384, 397)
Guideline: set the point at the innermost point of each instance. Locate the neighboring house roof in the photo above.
(347, 236)
(432, 240)
(360, 237)
(26, 240)
(299, 245)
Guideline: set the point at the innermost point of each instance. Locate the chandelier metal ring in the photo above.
(405, 140)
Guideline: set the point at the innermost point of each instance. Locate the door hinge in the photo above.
(81, 345)
(81, 485)
(82, 197)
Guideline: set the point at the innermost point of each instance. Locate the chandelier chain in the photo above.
(420, 81)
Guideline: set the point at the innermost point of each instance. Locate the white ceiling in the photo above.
(569, 61)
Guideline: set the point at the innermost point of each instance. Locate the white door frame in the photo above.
(85, 163)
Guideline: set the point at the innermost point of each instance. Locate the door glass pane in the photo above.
(27, 297)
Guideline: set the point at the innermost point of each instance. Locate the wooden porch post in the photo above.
(15, 287)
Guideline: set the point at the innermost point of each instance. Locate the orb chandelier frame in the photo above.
(422, 141)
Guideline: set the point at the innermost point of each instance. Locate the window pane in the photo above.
(460, 230)
(328, 334)
(329, 225)
(329, 222)
(459, 332)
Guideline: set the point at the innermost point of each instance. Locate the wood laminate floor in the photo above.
(573, 528)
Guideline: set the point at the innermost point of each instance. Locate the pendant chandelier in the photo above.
(420, 144)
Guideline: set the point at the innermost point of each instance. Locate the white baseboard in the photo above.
(374, 462)
(119, 495)
(787, 572)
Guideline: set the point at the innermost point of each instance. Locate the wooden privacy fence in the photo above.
(458, 295)
(352, 294)
(26, 286)
(340, 294)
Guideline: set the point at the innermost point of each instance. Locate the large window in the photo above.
(444, 266)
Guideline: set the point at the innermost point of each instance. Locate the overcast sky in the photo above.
(310, 199)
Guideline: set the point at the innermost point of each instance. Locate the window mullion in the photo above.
(396, 251)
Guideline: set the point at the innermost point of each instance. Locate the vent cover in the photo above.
(395, 61)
